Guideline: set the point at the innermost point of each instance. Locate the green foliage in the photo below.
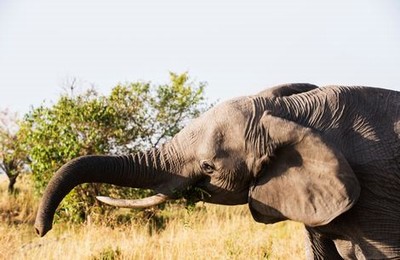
(13, 157)
(192, 195)
(133, 117)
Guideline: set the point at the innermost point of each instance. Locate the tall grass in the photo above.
(206, 232)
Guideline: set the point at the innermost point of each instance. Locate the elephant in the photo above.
(328, 157)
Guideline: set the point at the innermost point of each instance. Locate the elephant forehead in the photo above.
(220, 120)
(220, 128)
(238, 108)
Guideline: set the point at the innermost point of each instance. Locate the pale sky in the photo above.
(238, 47)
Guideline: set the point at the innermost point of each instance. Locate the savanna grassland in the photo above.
(203, 232)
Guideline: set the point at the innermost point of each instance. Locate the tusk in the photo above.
(138, 204)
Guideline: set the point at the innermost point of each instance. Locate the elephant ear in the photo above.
(307, 179)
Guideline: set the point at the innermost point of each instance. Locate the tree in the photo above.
(13, 157)
(134, 116)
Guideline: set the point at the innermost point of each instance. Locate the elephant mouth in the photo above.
(210, 193)
(193, 194)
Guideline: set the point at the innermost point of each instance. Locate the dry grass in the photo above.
(209, 232)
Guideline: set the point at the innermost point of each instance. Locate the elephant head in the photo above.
(237, 152)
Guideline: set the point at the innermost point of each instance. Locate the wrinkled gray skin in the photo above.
(327, 157)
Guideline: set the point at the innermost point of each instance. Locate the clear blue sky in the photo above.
(238, 47)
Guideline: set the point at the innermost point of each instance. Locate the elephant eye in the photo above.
(207, 167)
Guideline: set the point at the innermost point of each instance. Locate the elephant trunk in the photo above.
(148, 170)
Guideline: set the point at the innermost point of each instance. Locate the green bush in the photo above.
(135, 116)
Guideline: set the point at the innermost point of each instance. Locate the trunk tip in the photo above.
(42, 229)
